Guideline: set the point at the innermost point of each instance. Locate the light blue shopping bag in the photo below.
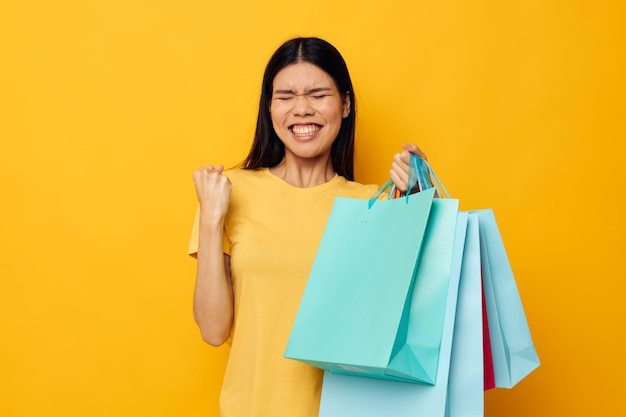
(363, 310)
(465, 382)
(349, 396)
(513, 351)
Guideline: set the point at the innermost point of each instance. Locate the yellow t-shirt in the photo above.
(272, 231)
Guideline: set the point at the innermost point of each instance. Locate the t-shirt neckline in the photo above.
(292, 188)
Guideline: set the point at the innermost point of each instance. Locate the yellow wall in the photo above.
(106, 107)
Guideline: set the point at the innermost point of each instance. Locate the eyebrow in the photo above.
(311, 91)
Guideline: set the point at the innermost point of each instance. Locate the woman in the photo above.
(258, 228)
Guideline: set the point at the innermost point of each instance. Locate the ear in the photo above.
(347, 105)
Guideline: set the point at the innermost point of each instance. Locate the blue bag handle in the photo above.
(426, 176)
(420, 174)
(412, 181)
(379, 192)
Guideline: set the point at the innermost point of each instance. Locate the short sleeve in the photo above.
(195, 234)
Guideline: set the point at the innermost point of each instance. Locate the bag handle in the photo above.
(380, 191)
(420, 174)
(428, 176)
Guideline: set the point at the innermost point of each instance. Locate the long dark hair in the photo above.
(267, 149)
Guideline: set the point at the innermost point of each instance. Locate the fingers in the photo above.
(399, 172)
(207, 169)
(210, 184)
(414, 149)
(399, 179)
(201, 175)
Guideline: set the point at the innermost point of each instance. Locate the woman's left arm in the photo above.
(400, 167)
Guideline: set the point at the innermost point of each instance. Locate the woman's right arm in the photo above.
(213, 293)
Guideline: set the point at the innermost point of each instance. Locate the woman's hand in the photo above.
(400, 167)
(213, 191)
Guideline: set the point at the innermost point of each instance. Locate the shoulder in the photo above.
(353, 189)
(240, 175)
(249, 185)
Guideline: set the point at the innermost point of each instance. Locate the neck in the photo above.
(304, 174)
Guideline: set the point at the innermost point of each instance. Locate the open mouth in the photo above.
(305, 130)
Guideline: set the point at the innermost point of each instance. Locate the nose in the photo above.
(302, 106)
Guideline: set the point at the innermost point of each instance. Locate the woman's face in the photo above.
(307, 110)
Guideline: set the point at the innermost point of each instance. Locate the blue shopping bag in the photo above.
(358, 313)
(513, 351)
(349, 396)
(465, 381)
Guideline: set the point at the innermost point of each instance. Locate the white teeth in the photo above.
(304, 130)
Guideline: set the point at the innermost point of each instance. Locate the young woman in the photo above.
(258, 227)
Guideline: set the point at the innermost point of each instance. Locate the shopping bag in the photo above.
(513, 352)
(465, 383)
(349, 396)
(359, 302)
(426, 310)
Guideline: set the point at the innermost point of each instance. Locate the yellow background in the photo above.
(106, 107)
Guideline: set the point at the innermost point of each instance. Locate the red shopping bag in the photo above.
(490, 380)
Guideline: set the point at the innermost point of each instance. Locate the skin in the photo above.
(399, 172)
(213, 292)
(306, 111)
(305, 99)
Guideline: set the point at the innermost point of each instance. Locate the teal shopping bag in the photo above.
(357, 314)
(426, 309)
(513, 351)
(349, 396)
